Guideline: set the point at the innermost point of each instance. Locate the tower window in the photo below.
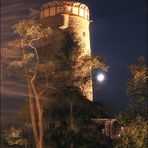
(75, 10)
(52, 11)
(84, 34)
(68, 8)
(82, 12)
(60, 9)
(46, 12)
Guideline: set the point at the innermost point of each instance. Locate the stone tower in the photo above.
(62, 14)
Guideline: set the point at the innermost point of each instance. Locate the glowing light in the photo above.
(100, 77)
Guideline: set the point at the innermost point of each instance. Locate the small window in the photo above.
(84, 34)
(46, 12)
(52, 11)
(75, 10)
(60, 9)
(68, 8)
(82, 12)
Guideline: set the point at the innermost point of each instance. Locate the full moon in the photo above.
(100, 77)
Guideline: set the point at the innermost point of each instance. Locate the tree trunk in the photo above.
(37, 100)
(39, 113)
(25, 143)
(32, 112)
(71, 115)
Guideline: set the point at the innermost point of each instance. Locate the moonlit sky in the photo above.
(118, 34)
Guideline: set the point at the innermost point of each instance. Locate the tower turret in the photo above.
(69, 14)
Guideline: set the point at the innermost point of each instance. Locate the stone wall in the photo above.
(77, 22)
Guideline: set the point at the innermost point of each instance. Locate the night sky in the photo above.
(118, 34)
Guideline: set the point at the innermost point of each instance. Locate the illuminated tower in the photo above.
(62, 14)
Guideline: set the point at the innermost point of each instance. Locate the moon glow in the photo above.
(100, 77)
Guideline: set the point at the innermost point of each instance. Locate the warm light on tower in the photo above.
(63, 14)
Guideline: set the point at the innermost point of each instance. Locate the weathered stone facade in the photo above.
(74, 15)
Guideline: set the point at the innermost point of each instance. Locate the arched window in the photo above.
(75, 10)
(81, 12)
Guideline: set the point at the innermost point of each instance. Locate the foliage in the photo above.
(85, 138)
(137, 86)
(13, 137)
(134, 120)
(30, 30)
(20, 51)
(134, 134)
(74, 127)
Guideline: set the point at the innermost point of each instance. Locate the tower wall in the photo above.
(74, 15)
